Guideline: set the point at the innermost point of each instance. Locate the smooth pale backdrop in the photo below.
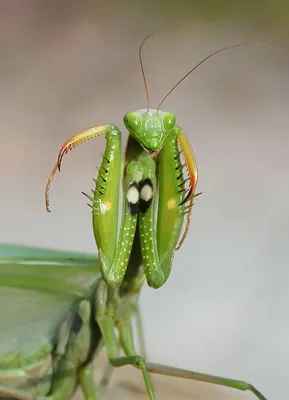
(224, 309)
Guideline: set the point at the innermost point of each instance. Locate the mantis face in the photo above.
(150, 127)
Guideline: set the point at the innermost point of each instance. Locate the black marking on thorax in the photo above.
(140, 196)
(77, 324)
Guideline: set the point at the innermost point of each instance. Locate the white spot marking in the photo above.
(132, 195)
(146, 193)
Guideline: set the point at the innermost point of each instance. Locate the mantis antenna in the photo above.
(196, 66)
(185, 76)
(142, 68)
(141, 61)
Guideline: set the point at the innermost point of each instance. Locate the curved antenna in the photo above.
(141, 61)
(142, 67)
(196, 66)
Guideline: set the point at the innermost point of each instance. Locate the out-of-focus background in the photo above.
(67, 65)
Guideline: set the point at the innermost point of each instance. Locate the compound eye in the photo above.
(132, 121)
(169, 121)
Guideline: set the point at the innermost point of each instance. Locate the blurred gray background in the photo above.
(67, 65)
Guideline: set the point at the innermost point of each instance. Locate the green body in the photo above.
(63, 307)
(154, 197)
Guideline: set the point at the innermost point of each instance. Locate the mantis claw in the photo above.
(70, 144)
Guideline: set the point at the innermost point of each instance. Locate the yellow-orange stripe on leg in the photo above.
(191, 165)
(70, 143)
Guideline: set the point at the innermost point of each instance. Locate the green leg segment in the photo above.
(87, 383)
(138, 362)
(86, 380)
(107, 326)
(145, 367)
(197, 376)
(140, 335)
(102, 386)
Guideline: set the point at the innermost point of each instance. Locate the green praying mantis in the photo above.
(65, 306)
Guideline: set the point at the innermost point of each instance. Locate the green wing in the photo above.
(46, 270)
(16, 252)
(38, 290)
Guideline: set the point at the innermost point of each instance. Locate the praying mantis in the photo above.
(72, 304)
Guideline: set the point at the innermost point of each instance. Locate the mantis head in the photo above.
(150, 127)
